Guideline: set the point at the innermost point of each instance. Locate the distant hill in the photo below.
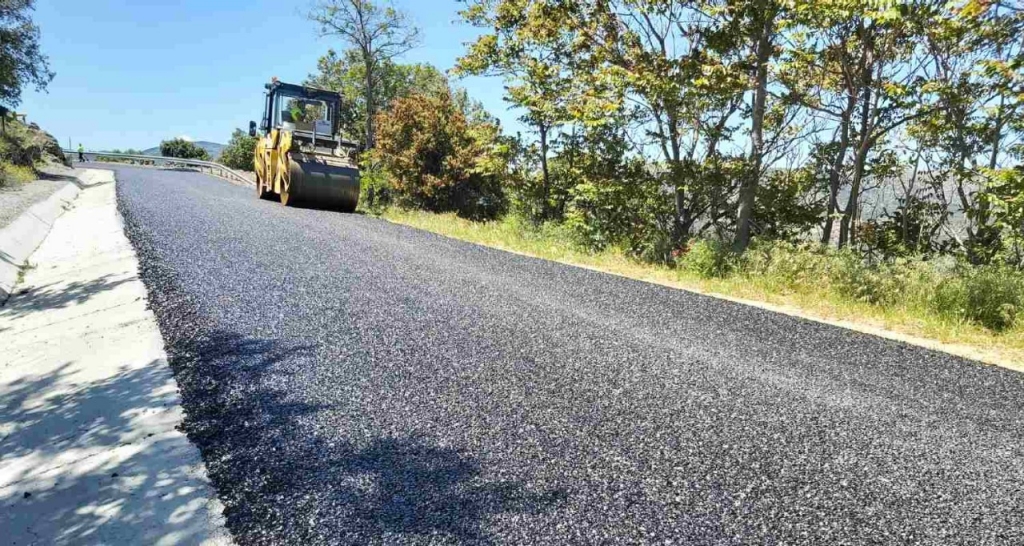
(211, 148)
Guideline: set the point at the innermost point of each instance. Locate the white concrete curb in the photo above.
(22, 237)
(91, 451)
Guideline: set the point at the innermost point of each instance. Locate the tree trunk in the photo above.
(837, 167)
(682, 224)
(683, 220)
(748, 188)
(908, 200)
(371, 106)
(847, 226)
(545, 180)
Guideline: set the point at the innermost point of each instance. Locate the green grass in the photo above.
(915, 300)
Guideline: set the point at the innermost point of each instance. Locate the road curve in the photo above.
(350, 381)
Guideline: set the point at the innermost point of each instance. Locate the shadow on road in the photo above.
(97, 461)
(406, 486)
(276, 475)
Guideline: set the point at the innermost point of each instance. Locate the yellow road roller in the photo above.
(301, 157)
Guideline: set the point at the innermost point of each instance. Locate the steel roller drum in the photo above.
(322, 182)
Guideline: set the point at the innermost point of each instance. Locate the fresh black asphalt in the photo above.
(350, 381)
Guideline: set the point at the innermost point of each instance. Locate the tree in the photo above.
(21, 61)
(980, 92)
(661, 68)
(532, 54)
(240, 151)
(345, 73)
(377, 35)
(896, 124)
(857, 65)
(757, 22)
(887, 99)
(183, 149)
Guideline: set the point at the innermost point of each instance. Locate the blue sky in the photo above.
(130, 74)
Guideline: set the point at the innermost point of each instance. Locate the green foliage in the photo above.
(375, 35)
(624, 207)
(18, 145)
(437, 159)
(885, 283)
(1003, 198)
(708, 259)
(612, 199)
(992, 296)
(22, 148)
(790, 203)
(911, 229)
(21, 61)
(11, 174)
(346, 74)
(786, 266)
(801, 267)
(183, 149)
(375, 193)
(240, 151)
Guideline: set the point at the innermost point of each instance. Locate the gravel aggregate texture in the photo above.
(16, 198)
(351, 381)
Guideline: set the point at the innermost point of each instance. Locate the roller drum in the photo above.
(316, 181)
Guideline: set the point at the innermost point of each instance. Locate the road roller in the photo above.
(301, 158)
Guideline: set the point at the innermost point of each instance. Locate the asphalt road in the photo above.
(349, 381)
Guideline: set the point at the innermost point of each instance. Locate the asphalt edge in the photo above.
(966, 352)
(20, 238)
(195, 353)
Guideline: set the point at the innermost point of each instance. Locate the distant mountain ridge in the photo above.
(212, 148)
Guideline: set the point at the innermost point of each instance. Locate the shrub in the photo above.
(625, 208)
(787, 205)
(708, 259)
(990, 295)
(240, 151)
(15, 174)
(182, 149)
(23, 146)
(374, 187)
(809, 266)
(787, 266)
(437, 159)
(879, 284)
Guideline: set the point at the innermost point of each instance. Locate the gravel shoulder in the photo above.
(351, 381)
(17, 198)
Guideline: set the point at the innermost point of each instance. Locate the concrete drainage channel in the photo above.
(89, 409)
(21, 238)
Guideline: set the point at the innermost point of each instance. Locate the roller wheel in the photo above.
(286, 199)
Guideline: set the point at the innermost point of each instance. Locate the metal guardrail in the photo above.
(215, 169)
